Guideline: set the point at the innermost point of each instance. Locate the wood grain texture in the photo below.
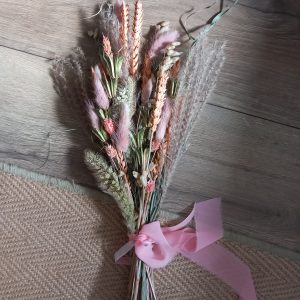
(246, 145)
(261, 74)
(39, 132)
(262, 69)
(52, 28)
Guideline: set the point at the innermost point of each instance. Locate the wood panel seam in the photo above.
(252, 115)
(265, 11)
(25, 52)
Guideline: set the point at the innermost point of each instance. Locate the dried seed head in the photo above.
(136, 38)
(150, 186)
(175, 69)
(110, 151)
(155, 145)
(107, 46)
(163, 24)
(124, 27)
(91, 114)
(109, 126)
(159, 99)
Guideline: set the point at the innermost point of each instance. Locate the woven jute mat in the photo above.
(57, 244)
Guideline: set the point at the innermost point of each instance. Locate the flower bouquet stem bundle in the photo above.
(144, 100)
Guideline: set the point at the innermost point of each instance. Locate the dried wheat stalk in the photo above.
(136, 38)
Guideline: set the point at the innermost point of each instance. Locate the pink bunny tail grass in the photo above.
(162, 40)
(91, 114)
(147, 90)
(101, 99)
(165, 118)
(121, 138)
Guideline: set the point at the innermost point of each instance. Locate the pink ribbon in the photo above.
(156, 246)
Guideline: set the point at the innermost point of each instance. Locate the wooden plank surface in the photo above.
(245, 146)
(35, 122)
(52, 28)
(263, 39)
(261, 74)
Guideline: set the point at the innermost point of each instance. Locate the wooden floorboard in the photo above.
(52, 28)
(38, 131)
(262, 69)
(261, 74)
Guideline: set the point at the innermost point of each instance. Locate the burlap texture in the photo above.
(56, 244)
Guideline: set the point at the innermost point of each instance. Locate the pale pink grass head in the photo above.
(91, 114)
(162, 41)
(121, 137)
(147, 90)
(101, 99)
(164, 120)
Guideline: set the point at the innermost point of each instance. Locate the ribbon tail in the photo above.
(120, 255)
(227, 267)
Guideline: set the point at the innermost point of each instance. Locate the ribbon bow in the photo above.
(156, 246)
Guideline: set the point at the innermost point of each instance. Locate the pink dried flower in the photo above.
(109, 126)
(92, 116)
(164, 120)
(122, 134)
(101, 99)
(150, 186)
(110, 151)
(155, 145)
(147, 90)
(162, 41)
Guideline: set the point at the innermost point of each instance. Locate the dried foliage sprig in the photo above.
(109, 182)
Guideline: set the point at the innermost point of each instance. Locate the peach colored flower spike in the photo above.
(107, 46)
(136, 38)
(124, 27)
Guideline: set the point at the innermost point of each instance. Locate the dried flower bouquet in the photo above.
(145, 101)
